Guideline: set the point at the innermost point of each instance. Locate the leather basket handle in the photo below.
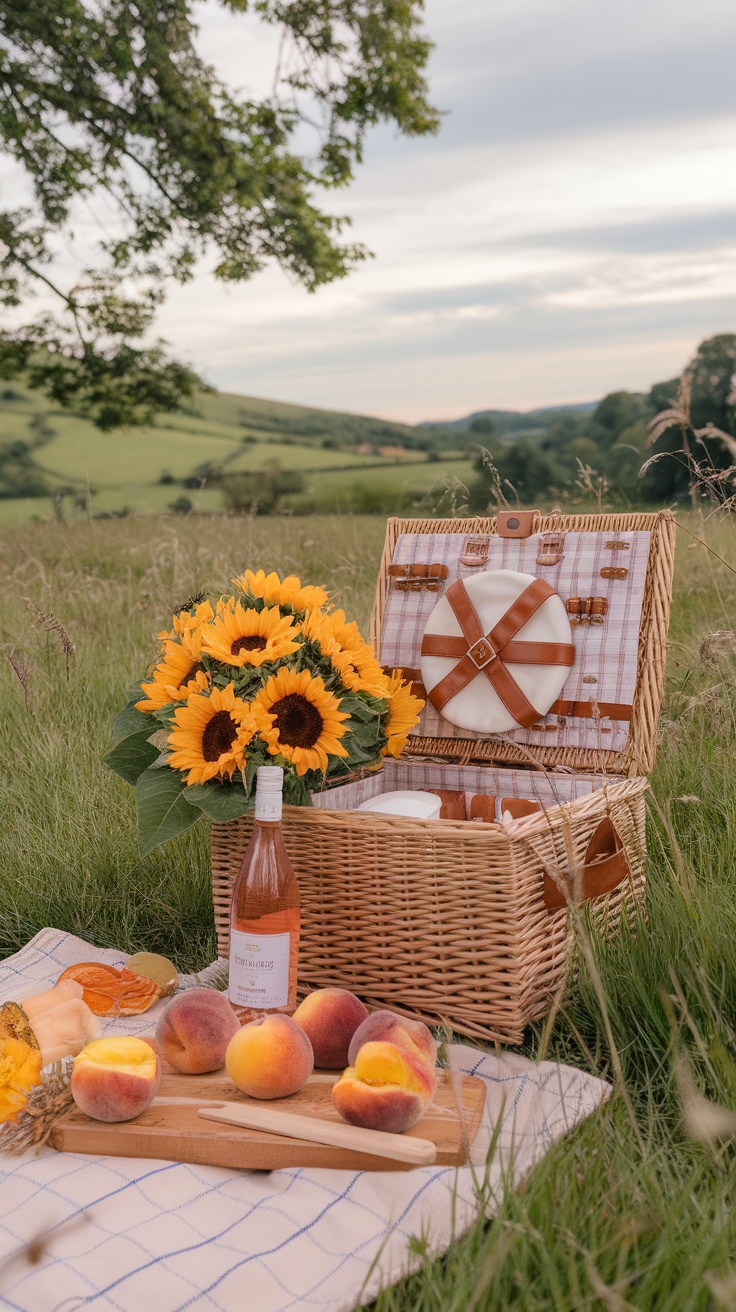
(605, 867)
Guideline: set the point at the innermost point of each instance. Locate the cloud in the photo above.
(621, 246)
(572, 229)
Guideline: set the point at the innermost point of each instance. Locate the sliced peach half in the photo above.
(115, 1079)
(385, 1089)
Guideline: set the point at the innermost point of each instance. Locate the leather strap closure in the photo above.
(587, 610)
(582, 710)
(605, 866)
(516, 651)
(414, 577)
(591, 710)
(489, 653)
(475, 550)
(551, 548)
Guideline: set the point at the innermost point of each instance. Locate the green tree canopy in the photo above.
(707, 402)
(617, 411)
(484, 425)
(111, 102)
(521, 469)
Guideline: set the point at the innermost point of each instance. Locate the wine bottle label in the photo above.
(259, 969)
(268, 805)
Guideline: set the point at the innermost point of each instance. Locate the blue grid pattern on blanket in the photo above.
(149, 1236)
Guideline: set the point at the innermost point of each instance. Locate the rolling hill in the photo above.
(186, 457)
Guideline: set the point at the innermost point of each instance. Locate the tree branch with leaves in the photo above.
(112, 100)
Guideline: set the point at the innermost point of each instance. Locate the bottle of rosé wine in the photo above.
(264, 918)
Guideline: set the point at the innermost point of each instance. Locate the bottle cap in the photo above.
(269, 787)
(270, 779)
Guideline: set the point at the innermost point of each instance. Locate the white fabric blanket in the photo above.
(150, 1236)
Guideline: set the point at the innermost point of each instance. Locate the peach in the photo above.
(270, 1057)
(407, 1034)
(388, 1088)
(115, 1079)
(329, 1018)
(194, 1031)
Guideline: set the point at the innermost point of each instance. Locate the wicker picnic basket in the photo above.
(469, 924)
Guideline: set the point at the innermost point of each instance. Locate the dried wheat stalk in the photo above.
(45, 1103)
(22, 674)
(52, 624)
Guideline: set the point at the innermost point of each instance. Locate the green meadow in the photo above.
(143, 471)
(635, 1209)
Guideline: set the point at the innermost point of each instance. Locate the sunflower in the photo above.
(353, 658)
(20, 1070)
(403, 713)
(186, 624)
(211, 735)
(178, 674)
(275, 593)
(249, 637)
(299, 719)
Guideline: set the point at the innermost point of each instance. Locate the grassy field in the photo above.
(628, 1212)
(105, 473)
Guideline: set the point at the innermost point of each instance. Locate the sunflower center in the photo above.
(298, 721)
(254, 642)
(219, 735)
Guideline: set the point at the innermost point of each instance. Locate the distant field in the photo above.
(338, 491)
(123, 470)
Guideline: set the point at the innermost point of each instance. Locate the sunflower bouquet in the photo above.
(272, 674)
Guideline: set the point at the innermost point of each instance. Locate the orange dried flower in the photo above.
(20, 1069)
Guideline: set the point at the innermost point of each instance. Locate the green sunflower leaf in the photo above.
(163, 811)
(131, 753)
(165, 714)
(130, 721)
(251, 766)
(357, 709)
(365, 734)
(296, 792)
(131, 756)
(221, 802)
(356, 755)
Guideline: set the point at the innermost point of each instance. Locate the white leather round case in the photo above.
(478, 706)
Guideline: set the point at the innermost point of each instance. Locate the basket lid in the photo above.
(613, 574)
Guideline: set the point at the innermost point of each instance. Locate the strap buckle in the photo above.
(417, 576)
(482, 653)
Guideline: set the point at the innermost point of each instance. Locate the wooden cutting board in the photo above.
(171, 1129)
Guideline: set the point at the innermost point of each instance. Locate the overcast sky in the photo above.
(570, 231)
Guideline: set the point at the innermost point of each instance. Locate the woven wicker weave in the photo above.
(448, 920)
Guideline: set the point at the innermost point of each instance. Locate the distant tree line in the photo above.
(576, 452)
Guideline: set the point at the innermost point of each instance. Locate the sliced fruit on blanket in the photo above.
(153, 966)
(112, 992)
(57, 1022)
(387, 1088)
(115, 1079)
(15, 1024)
(61, 1020)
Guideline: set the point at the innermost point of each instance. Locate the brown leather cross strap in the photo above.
(489, 653)
(586, 710)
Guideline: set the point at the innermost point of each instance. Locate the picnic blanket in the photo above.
(155, 1236)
